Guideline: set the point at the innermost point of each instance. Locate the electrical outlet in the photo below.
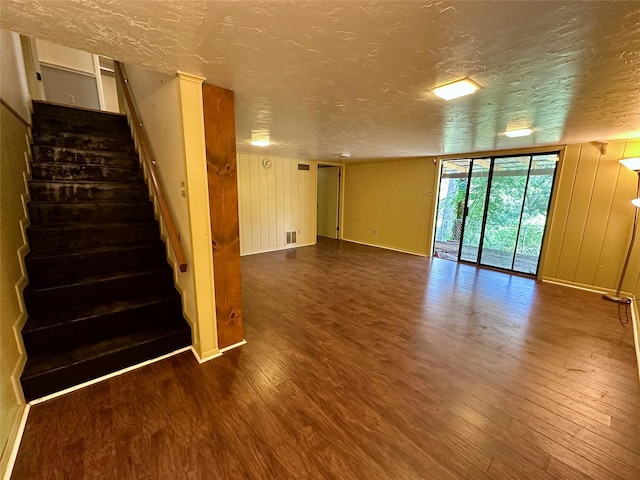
(71, 98)
(429, 193)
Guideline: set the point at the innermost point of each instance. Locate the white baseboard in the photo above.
(277, 249)
(106, 377)
(635, 320)
(210, 356)
(410, 252)
(17, 439)
(231, 347)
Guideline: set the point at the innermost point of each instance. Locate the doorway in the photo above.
(328, 201)
(493, 211)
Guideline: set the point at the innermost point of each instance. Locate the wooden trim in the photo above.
(220, 142)
(147, 158)
(15, 113)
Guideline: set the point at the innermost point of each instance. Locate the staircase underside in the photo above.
(101, 295)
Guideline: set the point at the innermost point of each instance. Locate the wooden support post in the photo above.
(220, 138)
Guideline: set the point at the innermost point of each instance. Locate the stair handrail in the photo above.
(150, 163)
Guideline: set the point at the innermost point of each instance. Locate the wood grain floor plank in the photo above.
(364, 363)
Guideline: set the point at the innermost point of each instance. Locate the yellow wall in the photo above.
(14, 148)
(273, 201)
(13, 277)
(390, 204)
(591, 218)
(590, 221)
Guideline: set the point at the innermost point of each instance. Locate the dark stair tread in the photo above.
(81, 313)
(89, 183)
(92, 142)
(74, 165)
(88, 202)
(88, 225)
(43, 364)
(84, 154)
(101, 278)
(65, 212)
(42, 109)
(87, 251)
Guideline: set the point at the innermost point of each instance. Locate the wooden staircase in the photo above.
(101, 295)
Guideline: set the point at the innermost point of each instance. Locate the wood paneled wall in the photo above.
(220, 138)
(592, 216)
(274, 201)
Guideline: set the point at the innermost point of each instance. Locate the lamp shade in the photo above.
(631, 163)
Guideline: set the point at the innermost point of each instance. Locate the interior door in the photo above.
(328, 200)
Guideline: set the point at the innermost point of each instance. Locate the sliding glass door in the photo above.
(501, 206)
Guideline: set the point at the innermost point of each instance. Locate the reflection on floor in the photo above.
(495, 258)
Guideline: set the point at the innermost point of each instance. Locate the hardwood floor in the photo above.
(364, 363)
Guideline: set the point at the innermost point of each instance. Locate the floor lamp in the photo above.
(633, 164)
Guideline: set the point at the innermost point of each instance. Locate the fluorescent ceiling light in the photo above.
(460, 88)
(636, 202)
(260, 138)
(631, 163)
(520, 132)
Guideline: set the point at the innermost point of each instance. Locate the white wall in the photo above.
(275, 200)
(157, 99)
(171, 112)
(110, 93)
(13, 78)
(65, 57)
(14, 148)
(70, 76)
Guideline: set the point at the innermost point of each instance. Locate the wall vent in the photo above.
(303, 166)
(291, 237)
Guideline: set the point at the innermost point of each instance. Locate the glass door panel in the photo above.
(506, 197)
(453, 192)
(534, 214)
(472, 228)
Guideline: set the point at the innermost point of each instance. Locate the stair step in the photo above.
(49, 154)
(101, 294)
(50, 333)
(83, 142)
(53, 117)
(64, 191)
(47, 374)
(69, 267)
(75, 212)
(72, 236)
(85, 173)
(108, 287)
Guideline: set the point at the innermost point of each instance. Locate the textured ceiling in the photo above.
(333, 77)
